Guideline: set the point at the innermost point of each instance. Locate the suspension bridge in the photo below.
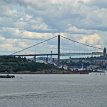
(58, 52)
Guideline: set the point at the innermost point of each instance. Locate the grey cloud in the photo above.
(98, 3)
(58, 16)
(43, 16)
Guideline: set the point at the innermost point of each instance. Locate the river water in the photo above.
(56, 90)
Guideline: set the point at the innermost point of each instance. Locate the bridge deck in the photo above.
(55, 54)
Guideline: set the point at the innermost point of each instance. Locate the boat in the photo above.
(7, 76)
(99, 71)
(76, 71)
(81, 70)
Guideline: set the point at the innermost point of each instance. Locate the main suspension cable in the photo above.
(80, 43)
(33, 45)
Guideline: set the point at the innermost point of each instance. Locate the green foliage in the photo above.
(18, 64)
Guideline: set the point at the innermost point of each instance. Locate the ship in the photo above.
(81, 70)
(76, 71)
(7, 76)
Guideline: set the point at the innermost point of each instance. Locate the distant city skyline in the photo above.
(26, 22)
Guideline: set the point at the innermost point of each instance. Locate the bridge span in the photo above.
(56, 54)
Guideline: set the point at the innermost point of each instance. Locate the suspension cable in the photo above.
(80, 42)
(33, 45)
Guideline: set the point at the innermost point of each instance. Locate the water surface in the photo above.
(56, 90)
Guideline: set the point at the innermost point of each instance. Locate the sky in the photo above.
(27, 22)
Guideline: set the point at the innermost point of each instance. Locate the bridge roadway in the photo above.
(55, 54)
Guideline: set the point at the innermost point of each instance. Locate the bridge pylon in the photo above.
(58, 48)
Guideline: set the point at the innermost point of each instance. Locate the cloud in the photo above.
(16, 33)
(2, 38)
(99, 3)
(8, 46)
(74, 29)
(90, 39)
(52, 14)
(36, 20)
(6, 11)
(34, 35)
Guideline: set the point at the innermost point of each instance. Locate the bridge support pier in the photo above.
(58, 49)
(47, 59)
(51, 58)
(35, 58)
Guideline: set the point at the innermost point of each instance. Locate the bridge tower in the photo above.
(58, 48)
(104, 52)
